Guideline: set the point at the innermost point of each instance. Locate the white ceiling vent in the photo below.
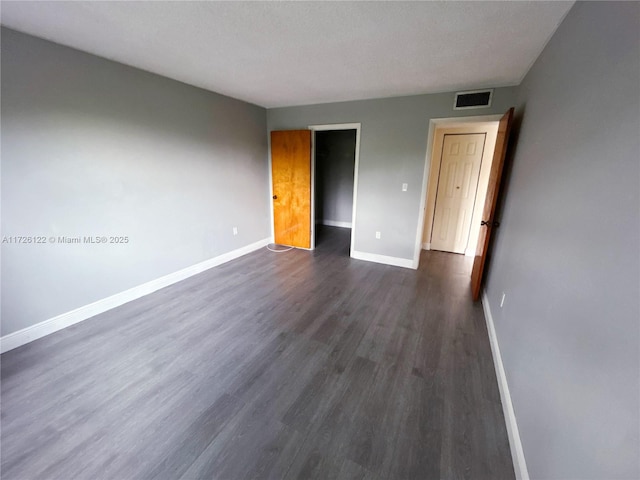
(473, 99)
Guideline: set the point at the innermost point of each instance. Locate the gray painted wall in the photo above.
(92, 147)
(567, 251)
(393, 147)
(335, 160)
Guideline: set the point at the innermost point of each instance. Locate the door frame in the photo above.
(435, 123)
(329, 127)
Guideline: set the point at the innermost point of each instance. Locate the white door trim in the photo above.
(271, 215)
(433, 124)
(335, 126)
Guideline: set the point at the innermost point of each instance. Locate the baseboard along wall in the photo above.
(47, 327)
(334, 223)
(517, 453)
(385, 259)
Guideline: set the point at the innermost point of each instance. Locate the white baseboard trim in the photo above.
(46, 327)
(517, 453)
(426, 246)
(333, 223)
(374, 257)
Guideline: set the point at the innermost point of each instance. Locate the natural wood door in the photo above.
(493, 190)
(459, 173)
(291, 174)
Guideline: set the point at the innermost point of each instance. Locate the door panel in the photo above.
(460, 170)
(291, 174)
(493, 190)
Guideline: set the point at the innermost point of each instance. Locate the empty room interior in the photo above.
(320, 240)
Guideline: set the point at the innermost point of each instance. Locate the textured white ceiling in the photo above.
(294, 53)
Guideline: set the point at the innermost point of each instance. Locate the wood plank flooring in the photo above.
(295, 365)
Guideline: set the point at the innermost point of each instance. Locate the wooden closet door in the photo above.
(291, 174)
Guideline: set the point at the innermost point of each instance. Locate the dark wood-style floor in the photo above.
(276, 365)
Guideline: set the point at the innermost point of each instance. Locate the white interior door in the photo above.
(457, 186)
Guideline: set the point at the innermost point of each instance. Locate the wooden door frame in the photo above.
(329, 127)
(435, 123)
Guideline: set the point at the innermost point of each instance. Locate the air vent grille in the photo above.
(473, 99)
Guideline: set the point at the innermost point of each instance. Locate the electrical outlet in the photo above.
(378, 235)
(504, 295)
(405, 187)
(235, 230)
